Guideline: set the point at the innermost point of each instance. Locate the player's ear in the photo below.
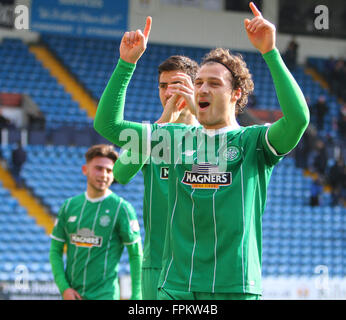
(112, 177)
(236, 94)
(84, 169)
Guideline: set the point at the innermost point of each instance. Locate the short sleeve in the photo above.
(127, 225)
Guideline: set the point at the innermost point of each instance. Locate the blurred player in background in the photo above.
(176, 70)
(213, 244)
(95, 226)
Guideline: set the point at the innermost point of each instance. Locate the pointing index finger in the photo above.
(254, 10)
(147, 27)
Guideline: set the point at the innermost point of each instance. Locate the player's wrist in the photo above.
(63, 285)
(126, 62)
(273, 58)
(166, 116)
(267, 50)
(65, 290)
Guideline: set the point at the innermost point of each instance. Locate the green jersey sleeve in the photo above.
(285, 133)
(59, 237)
(127, 224)
(270, 155)
(109, 119)
(126, 167)
(135, 259)
(56, 260)
(59, 233)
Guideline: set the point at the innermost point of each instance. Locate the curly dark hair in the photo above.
(240, 74)
(179, 63)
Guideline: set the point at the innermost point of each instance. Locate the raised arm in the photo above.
(285, 133)
(109, 120)
(124, 169)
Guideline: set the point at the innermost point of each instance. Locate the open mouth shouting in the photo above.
(203, 104)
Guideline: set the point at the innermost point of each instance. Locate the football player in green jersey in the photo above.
(95, 226)
(174, 70)
(216, 191)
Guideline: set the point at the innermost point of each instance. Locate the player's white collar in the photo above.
(108, 192)
(195, 122)
(212, 132)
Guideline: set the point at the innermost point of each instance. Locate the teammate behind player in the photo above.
(95, 226)
(174, 71)
(213, 242)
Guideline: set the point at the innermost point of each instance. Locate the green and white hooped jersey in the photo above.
(154, 212)
(214, 224)
(95, 231)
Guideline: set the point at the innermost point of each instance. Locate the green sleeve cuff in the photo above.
(271, 55)
(127, 65)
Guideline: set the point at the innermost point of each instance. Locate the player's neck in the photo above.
(230, 123)
(94, 195)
